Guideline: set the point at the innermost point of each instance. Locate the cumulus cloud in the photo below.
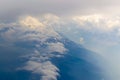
(31, 22)
(46, 69)
(41, 30)
(100, 22)
(34, 29)
(30, 29)
(39, 63)
(56, 47)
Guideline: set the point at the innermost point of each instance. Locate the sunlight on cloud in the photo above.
(90, 18)
(41, 29)
(90, 23)
(50, 19)
(30, 29)
(104, 40)
(31, 22)
(101, 22)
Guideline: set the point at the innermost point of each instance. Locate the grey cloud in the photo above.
(10, 10)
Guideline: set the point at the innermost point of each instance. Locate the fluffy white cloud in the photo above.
(100, 22)
(39, 63)
(36, 29)
(31, 22)
(46, 69)
(56, 47)
(31, 29)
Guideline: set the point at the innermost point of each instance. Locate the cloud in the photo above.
(31, 22)
(46, 69)
(50, 19)
(100, 28)
(36, 29)
(35, 33)
(57, 7)
(31, 27)
(39, 62)
(100, 22)
(81, 40)
(56, 47)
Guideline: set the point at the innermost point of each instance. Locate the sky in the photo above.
(13, 9)
(95, 24)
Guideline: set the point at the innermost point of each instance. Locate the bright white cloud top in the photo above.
(100, 22)
(93, 23)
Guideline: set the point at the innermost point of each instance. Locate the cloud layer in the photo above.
(94, 23)
(10, 12)
(93, 31)
(36, 35)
